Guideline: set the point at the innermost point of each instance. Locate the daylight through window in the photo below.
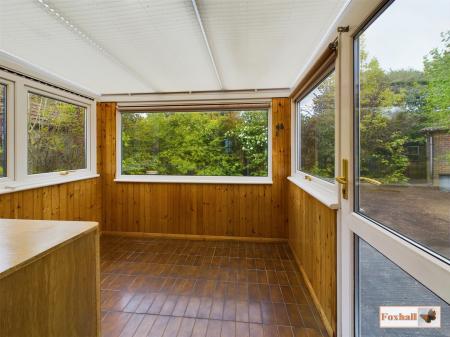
(207, 143)
(315, 130)
(56, 135)
(403, 166)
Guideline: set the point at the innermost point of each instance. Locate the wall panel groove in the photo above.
(79, 200)
(312, 238)
(198, 209)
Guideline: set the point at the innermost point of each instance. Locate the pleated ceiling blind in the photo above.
(177, 107)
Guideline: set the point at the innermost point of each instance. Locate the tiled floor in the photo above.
(180, 288)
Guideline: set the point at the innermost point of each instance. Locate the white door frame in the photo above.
(427, 269)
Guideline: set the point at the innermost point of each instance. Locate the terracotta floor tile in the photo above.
(173, 325)
(186, 327)
(285, 331)
(242, 311)
(205, 307)
(217, 309)
(169, 305)
(254, 312)
(146, 303)
(159, 326)
(242, 329)
(270, 330)
(229, 310)
(200, 328)
(281, 313)
(256, 330)
(178, 288)
(192, 307)
(180, 306)
(132, 325)
(114, 323)
(288, 295)
(214, 328)
(145, 326)
(295, 317)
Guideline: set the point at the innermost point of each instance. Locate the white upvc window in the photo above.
(47, 135)
(229, 146)
(6, 130)
(314, 139)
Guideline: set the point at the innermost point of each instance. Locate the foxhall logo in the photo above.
(410, 317)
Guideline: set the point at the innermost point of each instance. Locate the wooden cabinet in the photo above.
(49, 279)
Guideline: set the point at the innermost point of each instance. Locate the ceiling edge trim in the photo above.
(187, 96)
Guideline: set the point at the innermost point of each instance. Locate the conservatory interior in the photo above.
(240, 168)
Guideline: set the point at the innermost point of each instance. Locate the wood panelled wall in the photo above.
(312, 237)
(196, 209)
(78, 200)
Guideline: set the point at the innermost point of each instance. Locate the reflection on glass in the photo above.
(56, 135)
(210, 143)
(402, 97)
(316, 113)
(3, 102)
(382, 283)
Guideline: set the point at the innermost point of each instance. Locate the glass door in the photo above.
(394, 75)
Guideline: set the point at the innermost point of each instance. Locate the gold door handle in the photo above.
(343, 180)
(370, 181)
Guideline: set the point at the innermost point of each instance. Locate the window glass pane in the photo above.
(403, 105)
(316, 114)
(56, 135)
(214, 143)
(382, 283)
(3, 89)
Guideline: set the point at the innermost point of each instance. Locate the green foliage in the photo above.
(56, 135)
(382, 154)
(317, 130)
(395, 107)
(437, 74)
(229, 143)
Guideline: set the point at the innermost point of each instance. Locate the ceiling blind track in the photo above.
(149, 107)
(14, 72)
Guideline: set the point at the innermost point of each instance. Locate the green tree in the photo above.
(382, 151)
(437, 74)
(229, 143)
(56, 135)
(318, 131)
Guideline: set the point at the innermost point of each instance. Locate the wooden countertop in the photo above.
(23, 241)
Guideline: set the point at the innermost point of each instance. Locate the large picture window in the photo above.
(315, 131)
(56, 135)
(195, 144)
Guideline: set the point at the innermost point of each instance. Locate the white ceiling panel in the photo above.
(28, 32)
(129, 46)
(265, 43)
(149, 45)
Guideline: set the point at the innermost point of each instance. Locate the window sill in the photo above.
(327, 197)
(11, 187)
(195, 180)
